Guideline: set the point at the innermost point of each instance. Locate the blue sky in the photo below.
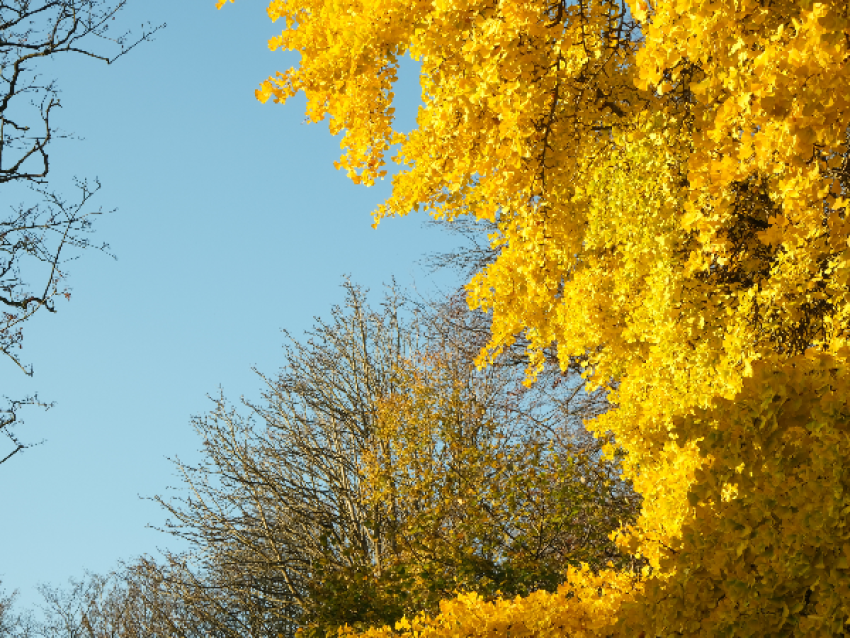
(232, 225)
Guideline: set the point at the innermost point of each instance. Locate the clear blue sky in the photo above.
(232, 225)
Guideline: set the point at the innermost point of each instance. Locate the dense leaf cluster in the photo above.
(667, 183)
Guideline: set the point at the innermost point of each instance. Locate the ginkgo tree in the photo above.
(668, 182)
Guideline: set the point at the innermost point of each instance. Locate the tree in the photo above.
(669, 186)
(14, 624)
(383, 472)
(6, 603)
(490, 493)
(128, 602)
(37, 234)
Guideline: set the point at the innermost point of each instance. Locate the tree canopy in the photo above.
(668, 183)
(381, 473)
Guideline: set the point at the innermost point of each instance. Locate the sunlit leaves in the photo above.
(670, 198)
(584, 606)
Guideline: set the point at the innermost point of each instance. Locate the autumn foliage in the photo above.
(381, 472)
(668, 181)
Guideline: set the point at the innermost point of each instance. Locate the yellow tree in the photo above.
(491, 489)
(668, 184)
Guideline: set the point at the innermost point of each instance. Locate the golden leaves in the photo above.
(586, 605)
(670, 200)
(762, 553)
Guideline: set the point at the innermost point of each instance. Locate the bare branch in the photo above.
(35, 238)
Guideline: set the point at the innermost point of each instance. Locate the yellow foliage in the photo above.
(669, 181)
(584, 606)
(764, 551)
(489, 488)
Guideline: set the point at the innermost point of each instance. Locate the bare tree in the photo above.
(14, 623)
(40, 233)
(125, 603)
(6, 618)
(265, 506)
